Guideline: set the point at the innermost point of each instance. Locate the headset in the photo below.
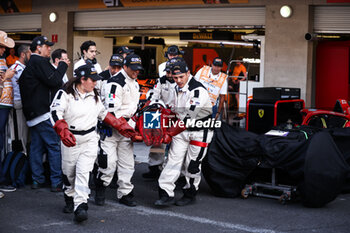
(91, 61)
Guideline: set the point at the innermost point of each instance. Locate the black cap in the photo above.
(116, 60)
(40, 40)
(170, 63)
(133, 61)
(87, 70)
(176, 59)
(178, 66)
(218, 62)
(173, 50)
(124, 49)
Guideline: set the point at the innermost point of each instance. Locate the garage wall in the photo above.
(170, 18)
(20, 22)
(287, 52)
(332, 19)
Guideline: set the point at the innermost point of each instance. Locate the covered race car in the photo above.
(315, 158)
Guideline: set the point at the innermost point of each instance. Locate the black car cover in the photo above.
(325, 171)
(316, 160)
(233, 154)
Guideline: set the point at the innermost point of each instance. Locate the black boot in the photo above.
(164, 199)
(128, 200)
(153, 173)
(189, 197)
(80, 214)
(181, 182)
(99, 192)
(69, 207)
(184, 200)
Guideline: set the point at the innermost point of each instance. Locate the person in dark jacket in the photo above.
(39, 83)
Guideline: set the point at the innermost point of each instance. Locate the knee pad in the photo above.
(102, 159)
(193, 167)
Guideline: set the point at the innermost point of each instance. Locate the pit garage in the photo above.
(202, 33)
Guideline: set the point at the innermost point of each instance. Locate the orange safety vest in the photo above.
(213, 86)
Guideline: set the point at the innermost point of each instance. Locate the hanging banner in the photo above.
(12, 6)
(136, 3)
(84, 4)
(216, 35)
(95, 4)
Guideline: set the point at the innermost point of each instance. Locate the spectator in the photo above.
(88, 55)
(39, 83)
(57, 56)
(22, 128)
(12, 58)
(5, 85)
(6, 101)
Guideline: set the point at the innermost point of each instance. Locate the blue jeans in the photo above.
(45, 139)
(4, 114)
(215, 110)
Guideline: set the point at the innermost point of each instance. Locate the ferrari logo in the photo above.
(261, 113)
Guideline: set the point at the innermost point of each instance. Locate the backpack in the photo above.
(15, 168)
(15, 165)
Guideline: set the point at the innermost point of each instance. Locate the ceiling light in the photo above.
(286, 11)
(53, 17)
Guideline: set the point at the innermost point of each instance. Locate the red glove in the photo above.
(120, 124)
(167, 138)
(171, 132)
(61, 128)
